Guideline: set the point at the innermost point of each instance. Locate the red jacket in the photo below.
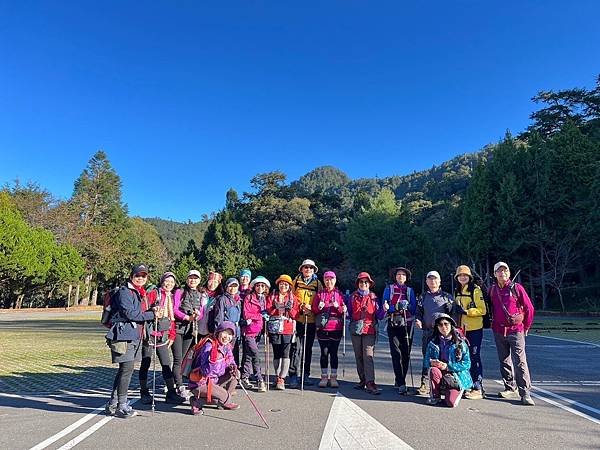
(366, 308)
(288, 308)
(152, 298)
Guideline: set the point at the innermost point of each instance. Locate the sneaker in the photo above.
(307, 381)
(280, 384)
(527, 400)
(110, 409)
(125, 412)
(145, 397)
(433, 401)
(402, 390)
(360, 386)
(507, 393)
(196, 407)
(372, 388)
(323, 382)
(333, 382)
(294, 382)
(174, 398)
(246, 383)
(262, 387)
(229, 405)
(423, 389)
(182, 390)
(473, 394)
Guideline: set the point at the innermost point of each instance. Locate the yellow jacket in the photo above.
(305, 293)
(474, 318)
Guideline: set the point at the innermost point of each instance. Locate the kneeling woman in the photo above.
(214, 372)
(448, 362)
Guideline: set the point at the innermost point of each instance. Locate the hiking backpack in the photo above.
(107, 302)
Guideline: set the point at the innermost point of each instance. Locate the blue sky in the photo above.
(191, 98)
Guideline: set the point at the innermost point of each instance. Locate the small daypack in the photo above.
(191, 354)
(107, 302)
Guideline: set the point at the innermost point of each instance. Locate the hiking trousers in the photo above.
(513, 362)
(296, 349)
(251, 357)
(221, 390)
(364, 351)
(400, 351)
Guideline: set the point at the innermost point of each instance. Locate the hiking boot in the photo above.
(183, 392)
(110, 409)
(423, 389)
(262, 387)
(507, 393)
(527, 400)
(174, 398)
(433, 401)
(280, 384)
(402, 390)
(196, 407)
(372, 388)
(333, 382)
(360, 386)
(125, 412)
(323, 382)
(246, 383)
(294, 382)
(145, 397)
(473, 394)
(229, 405)
(307, 381)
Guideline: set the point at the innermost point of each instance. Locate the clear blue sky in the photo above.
(190, 98)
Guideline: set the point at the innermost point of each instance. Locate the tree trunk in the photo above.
(542, 279)
(560, 297)
(86, 296)
(76, 302)
(19, 302)
(94, 297)
(69, 296)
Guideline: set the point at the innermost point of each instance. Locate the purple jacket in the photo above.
(212, 363)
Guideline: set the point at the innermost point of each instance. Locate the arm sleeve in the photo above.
(528, 309)
(176, 304)
(130, 309)
(412, 306)
(463, 364)
(480, 308)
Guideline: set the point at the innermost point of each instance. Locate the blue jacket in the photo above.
(128, 318)
(228, 308)
(460, 368)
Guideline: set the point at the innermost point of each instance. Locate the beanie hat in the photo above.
(226, 325)
(231, 281)
(245, 272)
(167, 275)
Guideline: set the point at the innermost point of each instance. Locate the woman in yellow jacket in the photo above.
(471, 308)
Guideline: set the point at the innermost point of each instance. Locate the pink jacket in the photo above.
(336, 314)
(503, 296)
(252, 308)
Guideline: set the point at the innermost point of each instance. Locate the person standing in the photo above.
(511, 320)
(124, 338)
(329, 309)
(228, 307)
(245, 288)
(306, 286)
(471, 307)
(400, 305)
(429, 304)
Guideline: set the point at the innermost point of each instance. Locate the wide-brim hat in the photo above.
(395, 270)
(260, 279)
(365, 275)
(308, 262)
(285, 278)
(439, 316)
(463, 270)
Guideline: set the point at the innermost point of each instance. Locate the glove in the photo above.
(288, 305)
(386, 306)
(336, 304)
(404, 304)
(321, 305)
(248, 322)
(345, 308)
(265, 315)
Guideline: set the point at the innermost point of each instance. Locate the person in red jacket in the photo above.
(329, 309)
(512, 317)
(162, 334)
(364, 311)
(254, 309)
(283, 309)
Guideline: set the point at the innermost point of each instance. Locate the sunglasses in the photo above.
(444, 324)
(363, 282)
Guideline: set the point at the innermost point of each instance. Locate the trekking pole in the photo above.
(408, 343)
(254, 404)
(154, 363)
(303, 355)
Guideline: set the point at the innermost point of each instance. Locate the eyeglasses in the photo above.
(444, 324)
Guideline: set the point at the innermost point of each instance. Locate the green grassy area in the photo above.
(53, 354)
(584, 329)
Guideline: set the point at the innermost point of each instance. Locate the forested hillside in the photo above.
(531, 200)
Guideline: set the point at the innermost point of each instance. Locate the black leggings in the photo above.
(163, 357)
(329, 350)
(281, 351)
(179, 348)
(122, 380)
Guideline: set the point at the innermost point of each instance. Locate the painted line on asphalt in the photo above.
(567, 383)
(74, 426)
(349, 427)
(563, 339)
(561, 406)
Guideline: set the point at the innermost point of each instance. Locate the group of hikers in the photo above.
(207, 338)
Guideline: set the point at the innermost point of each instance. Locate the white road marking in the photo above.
(566, 340)
(350, 427)
(73, 442)
(561, 406)
(567, 383)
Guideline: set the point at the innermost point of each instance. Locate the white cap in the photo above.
(500, 264)
(194, 272)
(433, 273)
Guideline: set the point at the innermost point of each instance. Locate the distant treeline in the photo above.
(531, 200)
